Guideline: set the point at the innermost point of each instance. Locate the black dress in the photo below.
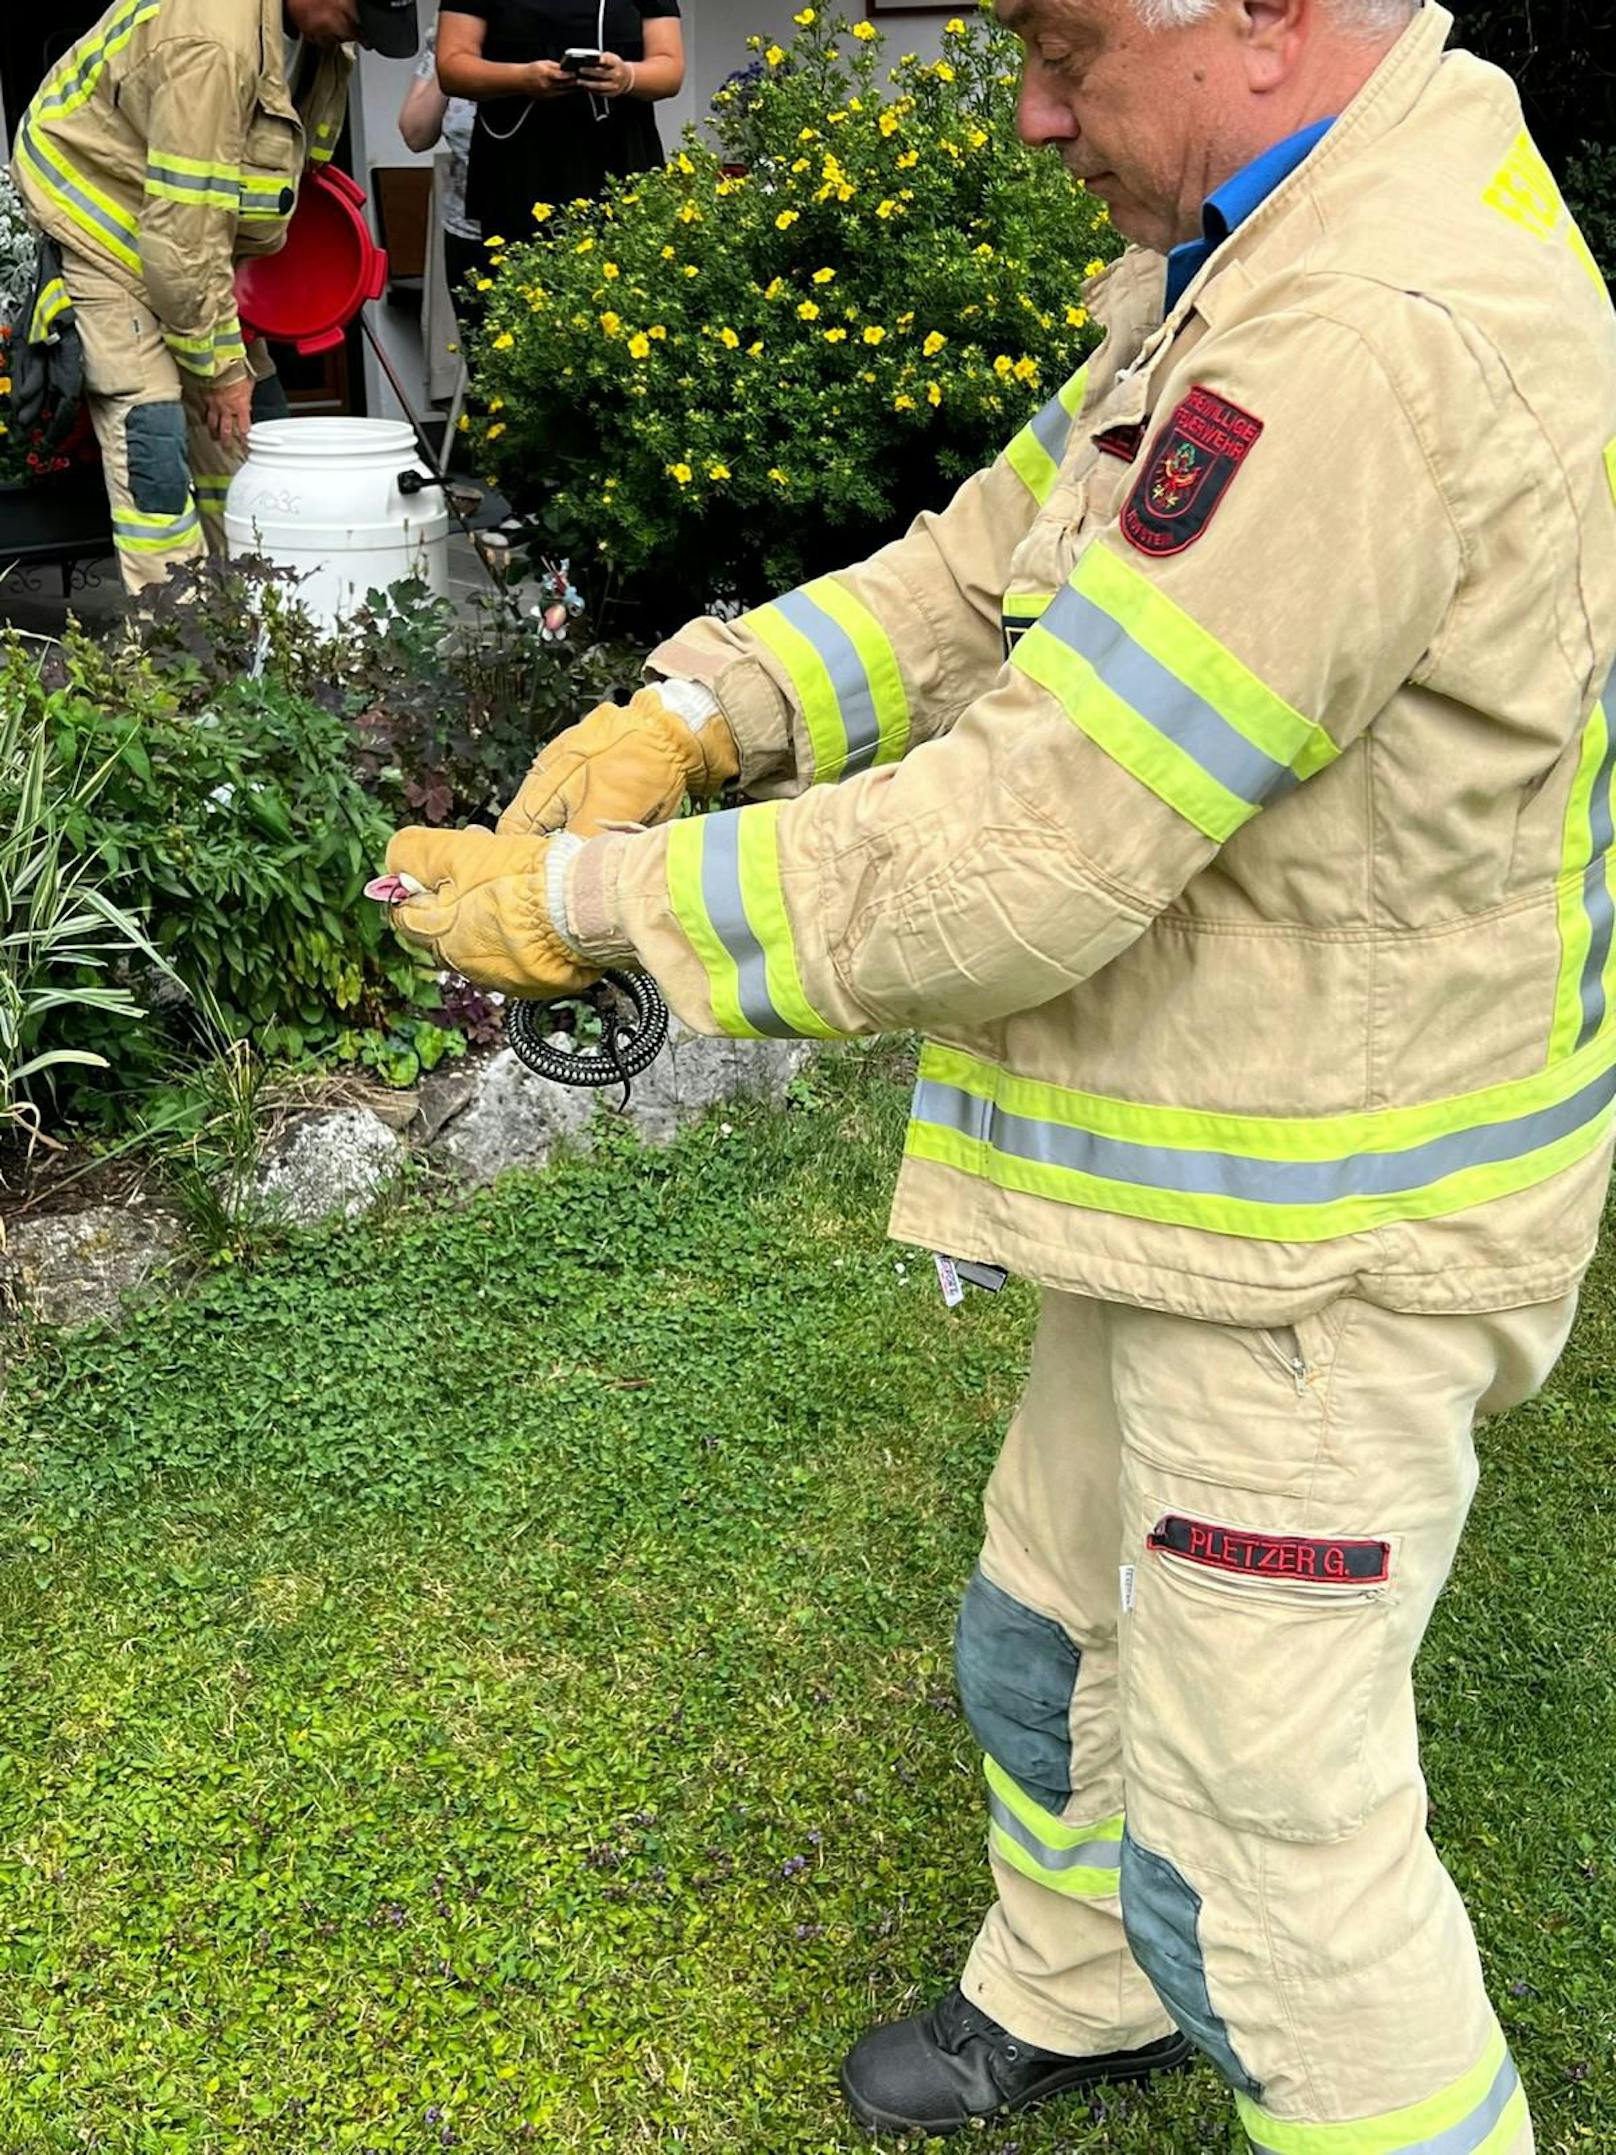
(556, 149)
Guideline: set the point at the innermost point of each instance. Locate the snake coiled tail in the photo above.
(626, 1049)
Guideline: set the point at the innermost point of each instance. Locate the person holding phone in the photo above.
(565, 91)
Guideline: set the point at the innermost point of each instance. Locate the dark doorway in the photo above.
(30, 45)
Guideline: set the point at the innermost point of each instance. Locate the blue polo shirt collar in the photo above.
(1228, 208)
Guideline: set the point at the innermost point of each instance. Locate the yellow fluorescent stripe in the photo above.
(1241, 1217)
(1576, 851)
(880, 663)
(56, 184)
(58, 105)
(1269, 1137)
(199, 168)
(1610, 468)
(1033, 466)
(685, 841)
(810, 680)
(1052, 1831)
(1077, 1884)
(1394, 2131)
(1152, 757)
(1178, 642)
(1073, 392)
(764, 902)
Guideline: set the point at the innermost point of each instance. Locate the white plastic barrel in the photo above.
(322, 496)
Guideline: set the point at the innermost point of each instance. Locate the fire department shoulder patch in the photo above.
(1190, 468)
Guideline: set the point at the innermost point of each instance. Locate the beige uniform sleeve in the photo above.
(1284, 561)
(195, 119)
(850, 672)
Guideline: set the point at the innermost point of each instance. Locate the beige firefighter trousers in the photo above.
(1211, 1555)
(166, 476)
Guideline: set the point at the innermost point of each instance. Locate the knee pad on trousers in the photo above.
(1161, 1916)
(269, 400)
(159, 467)
(1016, 1672)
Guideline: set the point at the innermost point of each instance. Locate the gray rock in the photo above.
(443, 1095)
(341, 1162)
(74, 1267)
(515, 1120)
(696, 1072)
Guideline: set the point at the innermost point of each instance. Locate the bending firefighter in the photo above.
(168, 144)
(1222, 784)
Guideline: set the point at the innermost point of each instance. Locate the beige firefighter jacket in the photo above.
(168, 139)
(1257, 908)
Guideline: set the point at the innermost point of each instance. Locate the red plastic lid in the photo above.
(328, 269)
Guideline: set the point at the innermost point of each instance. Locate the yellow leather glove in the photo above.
(483, 909)
(617, 766)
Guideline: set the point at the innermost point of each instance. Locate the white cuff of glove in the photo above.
(693, 701)
(564, 849)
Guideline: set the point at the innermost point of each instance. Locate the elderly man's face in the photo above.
(1149, 120)
(324, 22)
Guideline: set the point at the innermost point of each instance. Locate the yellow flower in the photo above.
(668, 254)
(934, 344)
(977, 137)
(785, 220)
(907, 321)
(804, 21)
(808, 312)
(984, 251)
(888, 122)
(864, 31)
(954, 26)
(755, 351)
(504, 341)
(542, 210)
(496, 261)
(682, 164)
(612, 324)
(1093, 269)
(801, 165)
(496, 241)
(823, 276)
(903, 404)
(773, 56)
(729, 340)
(1004, 366)
(658, 332)
(585, 245)
(495, 431)
(888, 208)
(908, 160)
(1027, 371)
(944, 72)
(774, 288)
(779, 477)
(689, 214)
(809, 134)
(1077, 317)
(610, 269)
(681, 472)
(484, 284)
(718, 471)
(836, 336)
(495, 404)
(465, 422)
(691, 270)
(835, 119)
(875, 334)
(934, 392)
(639, 345)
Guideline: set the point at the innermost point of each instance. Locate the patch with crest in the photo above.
(1191, 466)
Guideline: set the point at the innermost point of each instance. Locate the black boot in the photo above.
(940, 2070)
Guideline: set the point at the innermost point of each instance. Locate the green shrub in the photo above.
(1590, 188)
(59, 931)
(726, 380)
(239, 835)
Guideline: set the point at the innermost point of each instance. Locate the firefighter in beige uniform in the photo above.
(167, 145)
(1222, 784)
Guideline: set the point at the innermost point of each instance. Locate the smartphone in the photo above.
(577, 57)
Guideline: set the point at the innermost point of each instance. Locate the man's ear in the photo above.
(1272, 33)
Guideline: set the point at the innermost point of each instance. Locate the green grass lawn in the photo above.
(481, 1680)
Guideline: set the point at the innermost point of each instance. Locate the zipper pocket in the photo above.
(1283, 1344)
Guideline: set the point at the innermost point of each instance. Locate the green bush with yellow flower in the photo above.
(763, 359)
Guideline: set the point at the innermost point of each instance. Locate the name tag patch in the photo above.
(1324, 1561)
(1191, 466)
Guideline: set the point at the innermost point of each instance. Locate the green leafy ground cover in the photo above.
(481, 1681)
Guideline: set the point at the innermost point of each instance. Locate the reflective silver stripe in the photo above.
(1462, 2139)
(195, 183)
(1086, 1856)
(59, 180)
(1159, 697)
(1052, 429)
(721, 894)
(1596, 897)
(156, 531)
(855, 698)
(1248, 1179)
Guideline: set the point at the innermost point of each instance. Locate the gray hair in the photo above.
(1366, 18)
